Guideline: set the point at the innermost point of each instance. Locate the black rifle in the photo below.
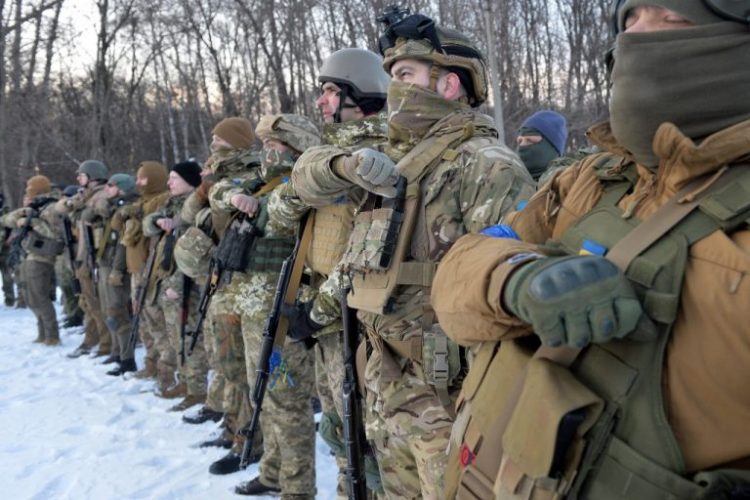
(88, 239)
(354, 433)
(141, 293)
(16, 252)
(70, 246)
(230, 255)
(187, 287)
(270, 345)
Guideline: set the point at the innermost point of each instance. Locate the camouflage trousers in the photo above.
(407, 424)
(115, 301)
(216, 379)
(153, 330)
(7, 275)
(39, 277)
(64, 274)
(194, 370)
(287, 417)
(96, 331)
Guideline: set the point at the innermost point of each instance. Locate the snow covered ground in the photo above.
(69, 431)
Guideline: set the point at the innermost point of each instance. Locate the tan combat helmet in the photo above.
(360, 75)
(296, 131)
(417, 37)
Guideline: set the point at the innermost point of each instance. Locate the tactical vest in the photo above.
(267, 254)
(331, 229)
(598, 428)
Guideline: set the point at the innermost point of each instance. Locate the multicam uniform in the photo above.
(330, 232)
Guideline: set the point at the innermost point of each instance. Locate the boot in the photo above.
(73, 321)
(219, 442)
(112, 358)
(255, 488)
(189, 401)
(39, 339)
(148, 371)
(204, 415)
(102, 352)
(10, 301)
(178, 390)
(228, 464)
(52, 342)
(80, 351)
(166, 379)
(125, 366)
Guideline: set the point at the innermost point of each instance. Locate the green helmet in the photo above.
(417, 37)
(95, 169)
(295, 131)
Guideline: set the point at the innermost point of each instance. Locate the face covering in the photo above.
(274, 164)
(536, 157)
(696, 78)
(412, 112)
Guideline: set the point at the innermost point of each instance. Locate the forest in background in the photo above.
(162, 72)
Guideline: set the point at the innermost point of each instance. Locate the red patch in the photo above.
(467, 457)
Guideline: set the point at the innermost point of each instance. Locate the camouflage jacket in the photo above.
(75, 206)
(46, 222)
(286, 207)
(111, 254)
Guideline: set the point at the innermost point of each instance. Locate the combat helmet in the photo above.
(296, 131)
(418, 37)
(360, 75)
(95, 169)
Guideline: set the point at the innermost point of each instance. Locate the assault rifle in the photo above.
(354, 433)
(271, 346)
(187, 286)
(70, 246)
(230, 255)
(141, 293)
(16, 252)
(88, 239)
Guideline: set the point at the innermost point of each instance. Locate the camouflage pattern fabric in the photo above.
(153, 318)
(216, 379)
(64, 275)
(9, 293)
(96, 331)
(40, 281)
(287, 417)
(115, 302)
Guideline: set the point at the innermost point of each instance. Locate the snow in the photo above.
(69, 431)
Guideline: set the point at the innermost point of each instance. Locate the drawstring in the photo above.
(639, 197)
(710, 182)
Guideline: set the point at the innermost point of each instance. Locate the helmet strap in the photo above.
(434, 75)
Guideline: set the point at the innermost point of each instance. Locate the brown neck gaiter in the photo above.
(696, 78)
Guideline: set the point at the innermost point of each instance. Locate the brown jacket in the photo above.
(707, 364)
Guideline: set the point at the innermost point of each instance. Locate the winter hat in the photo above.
(70, 191)
(236, 131)
(125, 182)
(156, 173)
(190, 171)
(39, 184)
(551, 125)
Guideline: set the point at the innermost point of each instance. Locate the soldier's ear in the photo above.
(449, 86)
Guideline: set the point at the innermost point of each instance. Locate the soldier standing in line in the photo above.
(92, 175)
(175, 293)
(353, 89)
(611, 331)
(64, 272)
(9, 292)
(459, 179)
(288, 462)
(41, 240)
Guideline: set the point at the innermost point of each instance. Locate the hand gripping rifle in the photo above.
(70, 247)
(142, 292)
(274, 335)
(354, 433)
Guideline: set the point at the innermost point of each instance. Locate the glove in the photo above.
(369, 169)
(301, 327)
(115, 278)
(573, 300)
(330, 429)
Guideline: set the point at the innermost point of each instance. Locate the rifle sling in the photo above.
(294, 281)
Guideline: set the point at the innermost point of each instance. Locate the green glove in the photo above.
(372, 475)
(331, 429)
(573, 300)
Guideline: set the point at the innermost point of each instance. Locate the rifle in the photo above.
(230, 255)
(354, 433)
(70, 246)
(141, 293)
(88, 238)
(15, 254)
(187, 286)
(272, 345)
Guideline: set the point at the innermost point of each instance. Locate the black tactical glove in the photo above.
(301, 327)
(573, 300)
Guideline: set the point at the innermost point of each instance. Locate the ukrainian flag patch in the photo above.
(591, 247)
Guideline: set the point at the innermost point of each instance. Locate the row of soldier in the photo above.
(371, 204)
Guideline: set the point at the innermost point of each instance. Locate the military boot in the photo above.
(255, 487)
(178, 390)
(73, 321)
(125, 366)
(189, 401)
(228, 464)
(80, 351)
(112, 358)
(55, 341)
(148, 371)
(165, 378)
(204, 415)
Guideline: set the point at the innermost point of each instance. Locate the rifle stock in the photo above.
(88, 237)
(70, 247)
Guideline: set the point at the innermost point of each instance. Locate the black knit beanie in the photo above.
(190, 171)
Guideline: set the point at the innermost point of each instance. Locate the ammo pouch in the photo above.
(268, 254)
(36, 244)
(231, 253)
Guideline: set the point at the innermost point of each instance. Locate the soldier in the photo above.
(151, 183)
(114, 284)
(595, 352)
(9, 293)
(64, 272)
(41, 241)
(459, 179)
(352, 96)
(540, 140)
(288, 462)
(175, 293)
(91, 176)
